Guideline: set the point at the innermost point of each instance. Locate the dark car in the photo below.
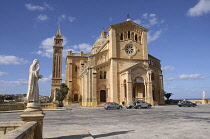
(112, 105)
(186, 104)
(138, 105)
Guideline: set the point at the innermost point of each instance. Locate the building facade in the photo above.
(118, 70)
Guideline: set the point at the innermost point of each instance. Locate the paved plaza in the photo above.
(160, 122)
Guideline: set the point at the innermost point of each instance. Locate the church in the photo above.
(119, 69)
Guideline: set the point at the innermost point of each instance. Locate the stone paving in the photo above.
(160, 122)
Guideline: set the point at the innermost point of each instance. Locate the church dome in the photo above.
(100, 41)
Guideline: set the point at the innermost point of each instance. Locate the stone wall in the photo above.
(20, 130)
(8, 107)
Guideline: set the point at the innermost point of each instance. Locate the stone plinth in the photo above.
(33, 112)
(204, 101)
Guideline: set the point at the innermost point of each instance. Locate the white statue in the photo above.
(204, 95)
(33, 89)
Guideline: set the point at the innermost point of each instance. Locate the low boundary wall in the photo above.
(8, 107)
(21, 130)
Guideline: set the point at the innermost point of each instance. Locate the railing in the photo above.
(21, 130)
(8, 126)
(49, 105)
(8, 107)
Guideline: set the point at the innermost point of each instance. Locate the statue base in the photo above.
(33, 112)
(204, 101)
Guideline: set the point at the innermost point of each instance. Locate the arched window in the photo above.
(136, 37)
(101, 76)
(121, 36)
(153, 77)
(104, 74)
(129, 34)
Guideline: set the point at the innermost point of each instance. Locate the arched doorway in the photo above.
(76, 98)
(138, 89)
(103, 96)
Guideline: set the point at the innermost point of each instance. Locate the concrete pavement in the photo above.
(159, 122)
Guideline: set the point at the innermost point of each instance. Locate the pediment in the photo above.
(127, 25)
(135, 68)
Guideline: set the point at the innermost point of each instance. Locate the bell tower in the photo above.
(57, 62)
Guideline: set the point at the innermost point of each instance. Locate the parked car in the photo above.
(138, 105)
(112, 105)
(186, 103)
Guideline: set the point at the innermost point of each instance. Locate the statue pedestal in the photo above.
(204, 101)
(33, 112)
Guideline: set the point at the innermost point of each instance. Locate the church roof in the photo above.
(127, 23)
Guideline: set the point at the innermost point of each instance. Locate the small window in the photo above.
(129, 34)
(105, 75)
(101, 76)
(121, 36)
(136, 37)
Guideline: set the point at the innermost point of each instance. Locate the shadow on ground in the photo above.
(93, 136)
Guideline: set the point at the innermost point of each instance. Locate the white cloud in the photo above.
(48, 6)
(13, 83)
(154, 36)
(71, 18)
(186, 77)
(202, 7)
(32, 7)
(61, 18)
(42, 17)
(152, 15)
(145, 15)
(11, 60)
(137, 21)
(191, 76)
(2, 73)
(153, 21)
(170, 79)
(85, 47)
(46, 47)
(168, 68)
(46, 80)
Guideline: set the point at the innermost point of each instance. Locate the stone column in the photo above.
(149, 93)
(94, 88)
(129, 89)
(33, 112)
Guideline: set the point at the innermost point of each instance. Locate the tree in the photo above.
(61, 94)
(167, 95)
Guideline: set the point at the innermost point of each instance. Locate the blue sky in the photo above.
(179, 35)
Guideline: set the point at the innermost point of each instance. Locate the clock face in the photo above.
(57, 51)
(129, 49)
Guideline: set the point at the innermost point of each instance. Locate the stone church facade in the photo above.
(119, 69)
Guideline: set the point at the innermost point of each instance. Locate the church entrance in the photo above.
(75, 97)
(138, 89)
(102, 96)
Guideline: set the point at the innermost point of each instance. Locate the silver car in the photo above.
(112, 105)
(186, 104)
(138, 105)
